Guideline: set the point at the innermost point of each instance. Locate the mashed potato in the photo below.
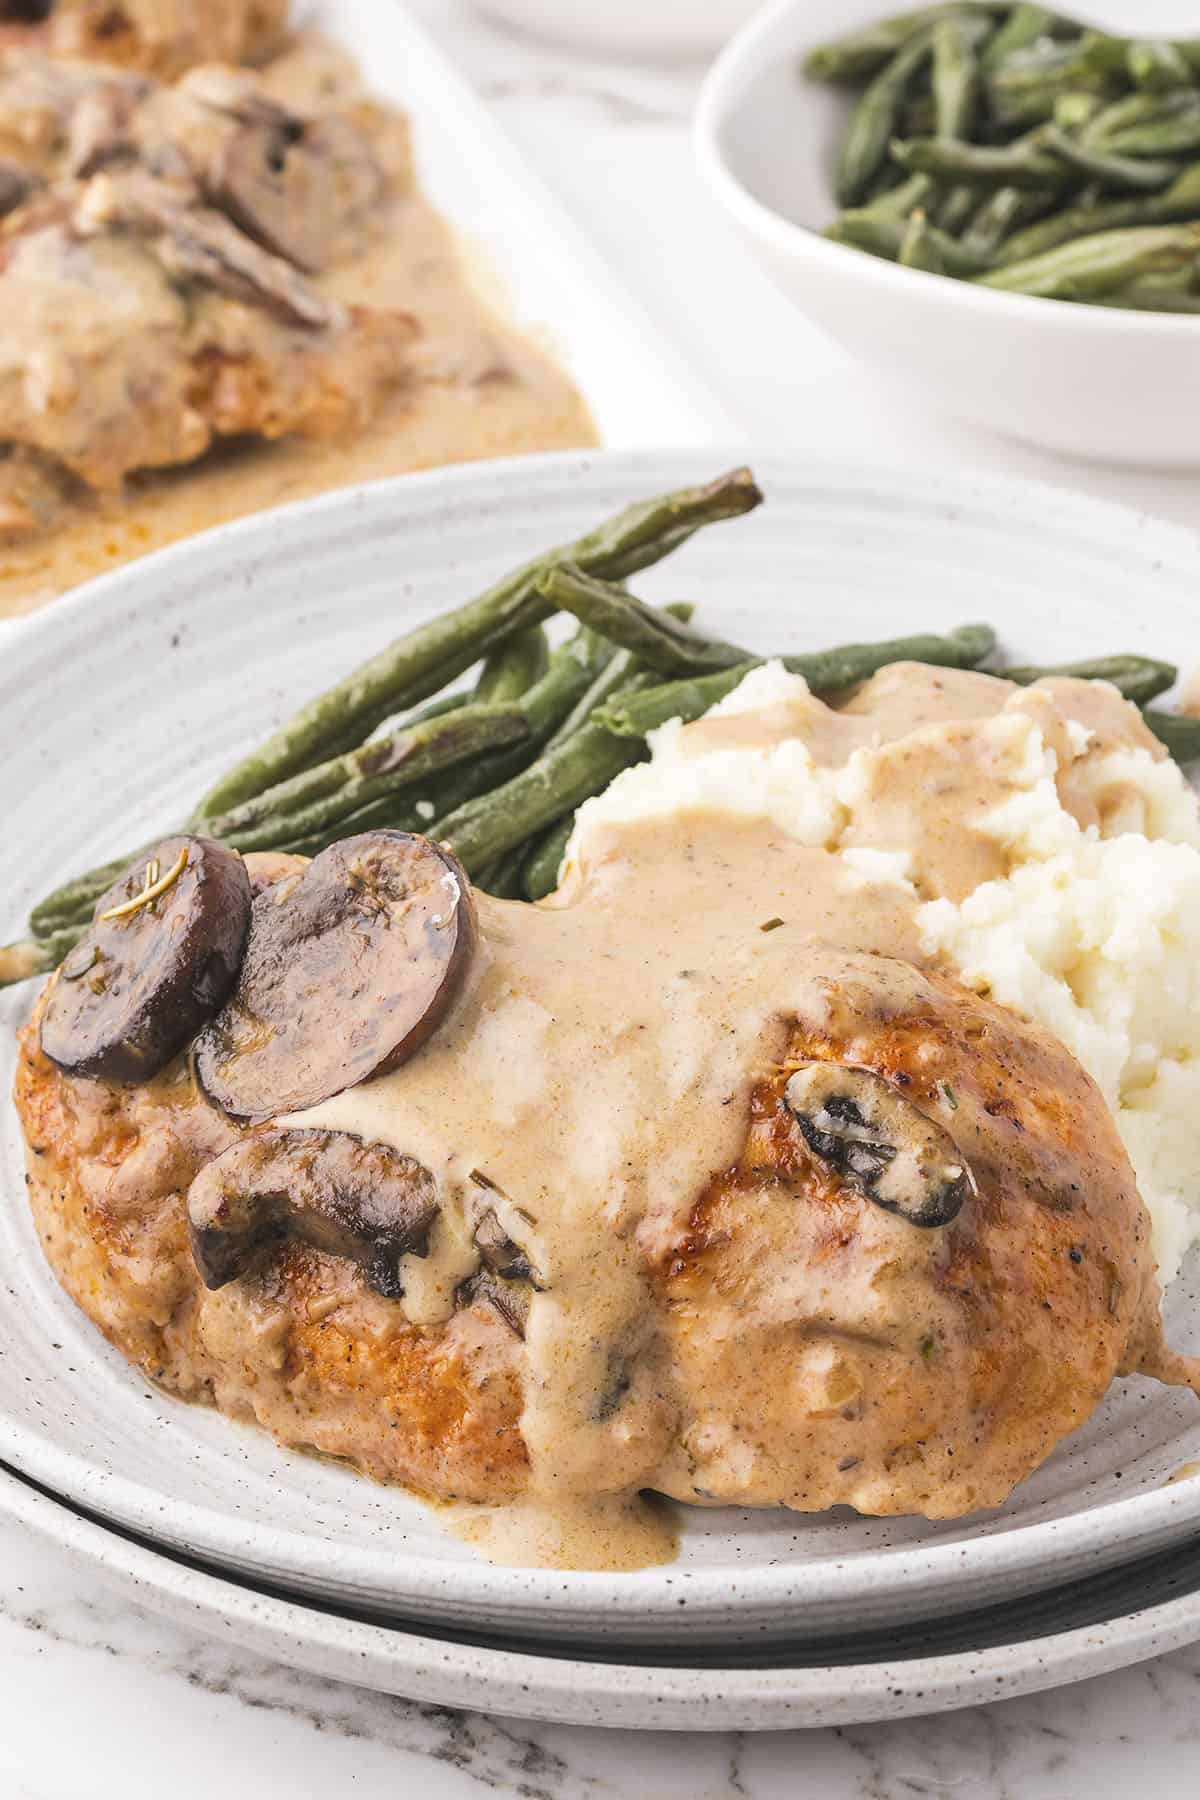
(1057, 867)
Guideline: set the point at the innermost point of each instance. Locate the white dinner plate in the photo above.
(1107, 1622)
(118, 704)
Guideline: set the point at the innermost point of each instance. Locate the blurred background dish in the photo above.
(1101, 383)
(663, 26)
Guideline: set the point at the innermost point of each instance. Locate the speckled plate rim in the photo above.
(1097, 1537)
(444, 1671)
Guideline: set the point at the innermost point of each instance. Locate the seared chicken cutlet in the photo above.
(161, 37)
(151, 276)
(170, 329)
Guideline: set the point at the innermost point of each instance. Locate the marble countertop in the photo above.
(99, 1700)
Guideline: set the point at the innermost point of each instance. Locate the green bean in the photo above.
(1139, 678)
(1104, 53)
(955, 77)
(1072, 111)
(505, 878)
(824, 670)
(1135, 174)
(309, 802)
(544, 861)
(899, 201)
(917, 117)
(955, 208)
(437, 709)
(659, 640)
(1165, 136)
(509, 671)
(864, 146)
(419, 663)
(561, 779)
(1179, 733)
(1098, 265)
(1158, 66)
(616, 674)
(999, 213)
(573, 667)
(1026, 87)
(863, 53)
(1120, 115)
(1024, 27)
(917, 249)
(1180, 202)
(984, 165)
(883, 237)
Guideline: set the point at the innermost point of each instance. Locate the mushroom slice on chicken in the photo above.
(329, 1189)
(302, 187)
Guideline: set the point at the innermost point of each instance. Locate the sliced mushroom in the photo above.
(325, 1188)
(347, 972)
(296, 188)
(197, 244)
(879, 1143)
(203, 246)
(501, 1255)
(158, 962)
(509, 1298)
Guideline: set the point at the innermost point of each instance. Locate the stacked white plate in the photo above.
(765, 1619)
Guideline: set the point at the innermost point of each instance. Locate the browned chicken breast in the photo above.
(162, 37)
(920, 1269)
(925, 1269)
(151, 276)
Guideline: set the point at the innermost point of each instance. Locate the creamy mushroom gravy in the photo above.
(476, 388)
(597, 1070)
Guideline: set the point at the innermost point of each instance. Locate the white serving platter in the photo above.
(525, 252)
(1104, 1624)
(120, 702)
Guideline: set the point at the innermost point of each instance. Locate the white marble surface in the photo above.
(98, 1700)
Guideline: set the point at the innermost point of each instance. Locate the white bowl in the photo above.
(627, 25)
(1094, 382)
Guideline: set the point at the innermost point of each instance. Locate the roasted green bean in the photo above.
(1178, 732)
(824, 670)
(1098, 265)
(1139, 678)
(509, 671)
(544, 860)
(424, 659)
(661, 641)
(1125, 173)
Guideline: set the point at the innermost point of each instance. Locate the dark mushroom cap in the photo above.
(325, 1188)
(151, 971)
(295, 187)
(348, 970)
(879, 1143)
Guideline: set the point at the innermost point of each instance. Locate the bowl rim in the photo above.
(747, 56)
